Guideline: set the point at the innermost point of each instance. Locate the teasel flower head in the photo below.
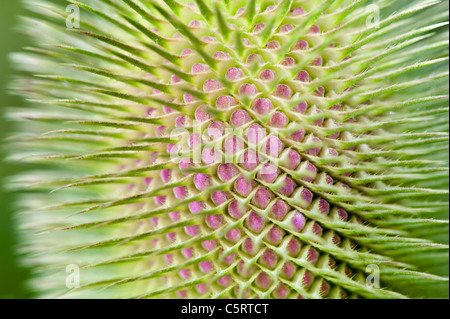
(234, 149)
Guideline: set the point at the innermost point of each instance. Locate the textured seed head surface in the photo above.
(235, 149)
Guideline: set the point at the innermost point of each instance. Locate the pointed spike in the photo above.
(250, 11)
(188, 34)
(205, 10)
(224, 30)
(143, 13)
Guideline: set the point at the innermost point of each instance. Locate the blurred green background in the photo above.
(12, 276)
